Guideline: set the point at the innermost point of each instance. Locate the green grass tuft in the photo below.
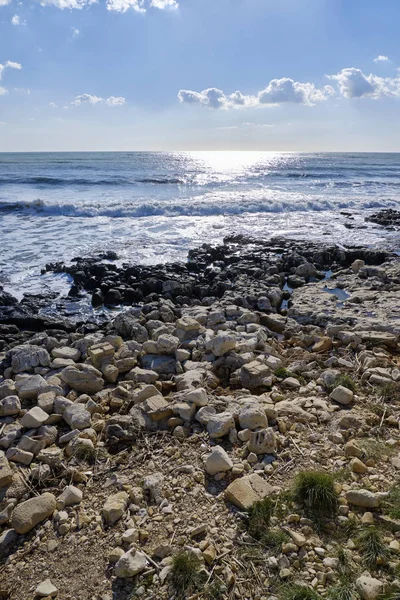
(260, 514)
(185, 573)
(391, 504)
(298, 592)
(283, 373)
(390, 391)
(343, 590)
(372, 548)
(315, 490)
(346, 381)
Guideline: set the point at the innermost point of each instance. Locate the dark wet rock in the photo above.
(388, 218)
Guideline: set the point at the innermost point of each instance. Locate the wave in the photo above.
(111, 181)
(191, 208)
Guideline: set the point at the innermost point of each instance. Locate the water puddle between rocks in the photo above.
(340, 294)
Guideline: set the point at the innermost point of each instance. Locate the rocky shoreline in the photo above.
(140, 446)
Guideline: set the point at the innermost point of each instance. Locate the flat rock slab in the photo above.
(35, 510)
(247, 490)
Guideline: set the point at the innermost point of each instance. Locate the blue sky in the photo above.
(199, 74)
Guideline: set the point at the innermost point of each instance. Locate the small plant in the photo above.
(375, 449)
(298, 592)
(316, 491)
(391, 504)
(185, 572)
(345, 567)
(390, 391)
(283, 373)
(215, 591)
(260, 514)
(86, 453)
(274, 538)
(372, 548)
(343, 590)
(346, 381)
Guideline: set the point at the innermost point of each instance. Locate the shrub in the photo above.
(283, 373)
(298, 592)
(343, 590)
(373, 550)
(346, 381)
(316, 491)
(390, 391)
(391, 504)
(185, 572)
(274, 538)
(260, 514)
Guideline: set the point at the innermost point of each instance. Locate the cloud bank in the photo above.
(381, 58)
(278, 91)
(349, 83)
(92, 99)
(120, 6)
(9, 65)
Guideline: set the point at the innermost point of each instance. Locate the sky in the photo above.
(301, 75)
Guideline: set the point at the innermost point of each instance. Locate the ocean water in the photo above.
(153, 206)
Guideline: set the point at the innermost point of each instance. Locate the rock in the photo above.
(153, 487)
(20, 456)
(7, 388)
(46, 590)
(210, 554)
(218, 461)
(25, 358)
(220, 424)
(306, 270)
(35, 417)
(245, 491)
(351, 449)
(77, 416)
(357, 265)
(262, 442)
(114, 507)
(70, 496)
(130, 564)
(363, 498)
(7, 540)
(197, 397)
(66, 352)
(167, 344)
(83, 378)
(33, 511)
(252, 416)
(342, 395)
(255, 375)
(5, 471)
(357, 466)
(30, 388)
(163, 365)
(222, 343)
(369, 588)
(130, 536)
(10, 406)
(323, 345)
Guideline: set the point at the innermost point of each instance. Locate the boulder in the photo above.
(363, 498)
(27, 357)
(245, 491)
(262, 442)
(83, 378)
(255, 375)
(369, 588)
(220, 424)
(342, 395)
(10, 406)
(130, 564)
(5, 471)
(30, 388)
(218, 461)
(222, 343)
(167, 344)
(252, 416)
(35, 417)
(46, 590)
(33, 511)
(163, 365)
(70, 496)
(77, 416)
(114, 507)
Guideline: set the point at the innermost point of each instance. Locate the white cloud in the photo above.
(16, 20)
(3, 91)
(162, 4)
(115, 101)
(75, 32)
(91, 99)
(353, 83)
(9, 65)
(381, 58)
(278, 91)
(2, 123)
(140, 6)
(4, 2)
(67, 3)
(53, 105)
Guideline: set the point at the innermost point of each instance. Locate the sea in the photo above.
(152, 207)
